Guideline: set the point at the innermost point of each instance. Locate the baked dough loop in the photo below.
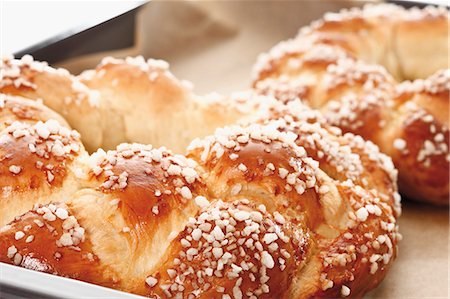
(352, 65)
(122, 100)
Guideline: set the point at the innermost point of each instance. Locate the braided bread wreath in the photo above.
(283, 205)
(334, 65)
(286, 201)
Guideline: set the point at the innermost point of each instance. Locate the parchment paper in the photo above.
(214, 45)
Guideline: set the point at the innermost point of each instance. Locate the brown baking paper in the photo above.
(215, 44)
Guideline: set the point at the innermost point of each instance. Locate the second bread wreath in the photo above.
(347, 65)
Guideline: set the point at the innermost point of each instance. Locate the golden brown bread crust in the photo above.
(142, 195)
(341, 156)
(40, 159)
(422, 137)
(127, 84)
(429, 24)
(57, 89)
(331, 66)
(49, 239)
(251, 208)
(136, 194)
(26, 111)
(144, 96)
(264, 166)
(241, 267)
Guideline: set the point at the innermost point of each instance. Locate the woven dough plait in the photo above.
(276, 204)
(285, 201)
(350, 65)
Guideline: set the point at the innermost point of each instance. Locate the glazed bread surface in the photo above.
(283, 200)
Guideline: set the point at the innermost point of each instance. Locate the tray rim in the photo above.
(52, 286)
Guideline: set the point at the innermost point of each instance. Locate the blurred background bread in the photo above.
(350, 65)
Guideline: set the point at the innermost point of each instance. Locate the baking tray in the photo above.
(214, 44)
(87, 36)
